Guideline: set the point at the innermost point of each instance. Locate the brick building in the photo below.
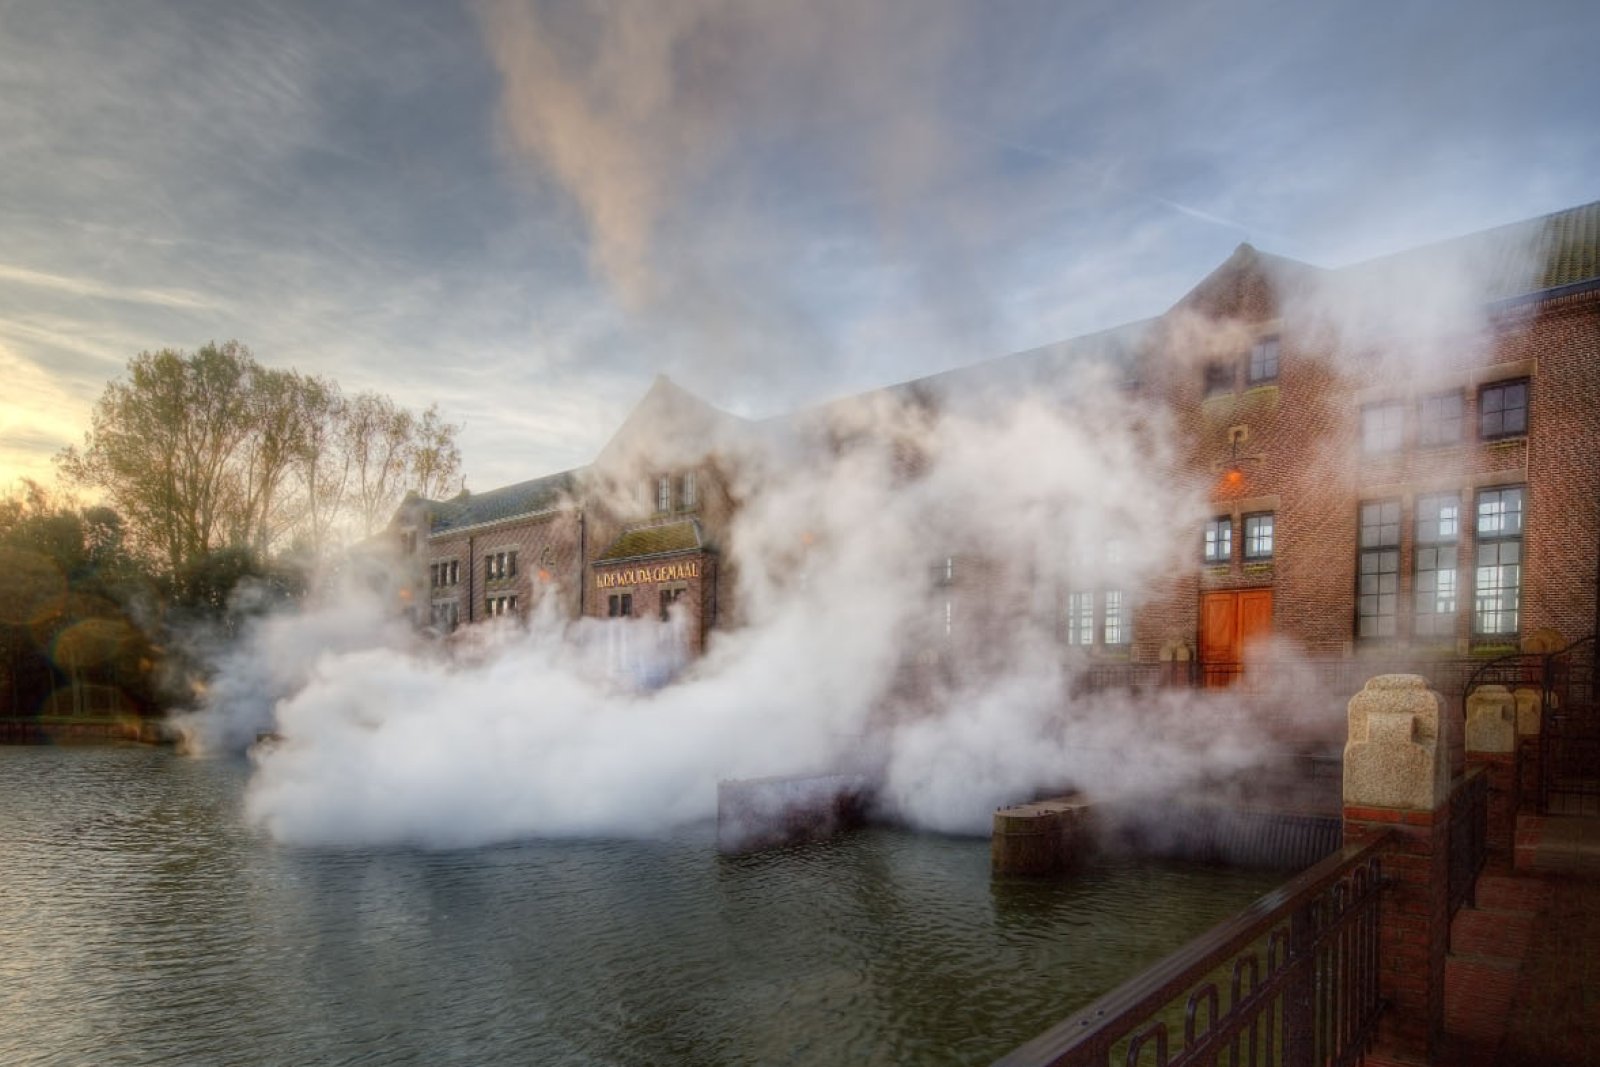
(1402, 459)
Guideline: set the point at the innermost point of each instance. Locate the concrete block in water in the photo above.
(1044, 837)
(761, 813)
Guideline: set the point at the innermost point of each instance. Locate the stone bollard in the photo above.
(1492, 745)
(1397, 778)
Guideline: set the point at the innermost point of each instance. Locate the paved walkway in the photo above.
(1555, 1014)
(1522, 982)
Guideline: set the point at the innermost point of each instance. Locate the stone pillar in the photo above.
(1175, 665)
(1397, 780)
(1530, 720)
(1492, 744)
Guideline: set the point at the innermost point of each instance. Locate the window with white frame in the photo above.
(1497, 585)
(1438, 528)
(1382, 428)
(1080, 619)
(1118, 628)
(664, 493)
(1378, 570)
(690, 495)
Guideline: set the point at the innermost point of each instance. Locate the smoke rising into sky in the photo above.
(847, 658)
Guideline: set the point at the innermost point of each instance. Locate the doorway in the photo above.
(1228, 621)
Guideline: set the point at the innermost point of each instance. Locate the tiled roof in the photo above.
(1518, 259)
(657, 540)
(523, 498)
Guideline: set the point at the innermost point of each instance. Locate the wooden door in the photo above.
(1228, 621)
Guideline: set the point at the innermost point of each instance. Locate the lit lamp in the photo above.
(1233, 469)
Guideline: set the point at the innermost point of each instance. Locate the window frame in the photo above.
(1426, 434)
(1272, 536)
(1498, 540)
(1124, 616)
(1274, 343)
(1436, 544)
(1225, 556)
(1385, 552)
(1398, 408)
(1080, 624)
(1503, 434)
(1219, 378)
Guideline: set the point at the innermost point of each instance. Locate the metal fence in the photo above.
(1469, 835)
(1300, 967)
(1341, 678)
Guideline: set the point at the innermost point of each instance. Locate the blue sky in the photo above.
(524, 211)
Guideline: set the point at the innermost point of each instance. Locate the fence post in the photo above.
(1492, 716)
(1397, 773)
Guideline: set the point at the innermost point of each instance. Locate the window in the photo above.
(945, 573)
(664, 493)
(1503, 410)
(670, 597)
(1382, 428)
(620, 606)
(1119, 620)
(500, 605)
(1439, 419)
(690, 496)
(1258, 536)
(1080, 619)
(1497, 588)
(444, 573)
(444, 616)
(1378, 570)
(1264, 360)
(1219, 541)
(498, 565)
(433, 576)
(1438, 527)
(1219, 378)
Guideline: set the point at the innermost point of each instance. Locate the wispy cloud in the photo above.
(90, 287)
(526, 209)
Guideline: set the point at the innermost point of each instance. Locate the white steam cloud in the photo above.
(847, 656)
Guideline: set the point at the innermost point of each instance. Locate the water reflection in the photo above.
(145, 923)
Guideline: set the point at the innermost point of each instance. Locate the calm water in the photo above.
(141, 922)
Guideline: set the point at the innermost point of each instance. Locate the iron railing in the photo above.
(1469, 835)
(1301, 969)
(1569, 732)
(1340, 678)
(1568, 751)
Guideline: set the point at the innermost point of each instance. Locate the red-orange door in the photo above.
(1229, 621)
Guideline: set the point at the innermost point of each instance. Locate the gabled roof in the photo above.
(1227, 288)
(660, 539)
(523, 498)
(668, 419)
(1519, 259)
